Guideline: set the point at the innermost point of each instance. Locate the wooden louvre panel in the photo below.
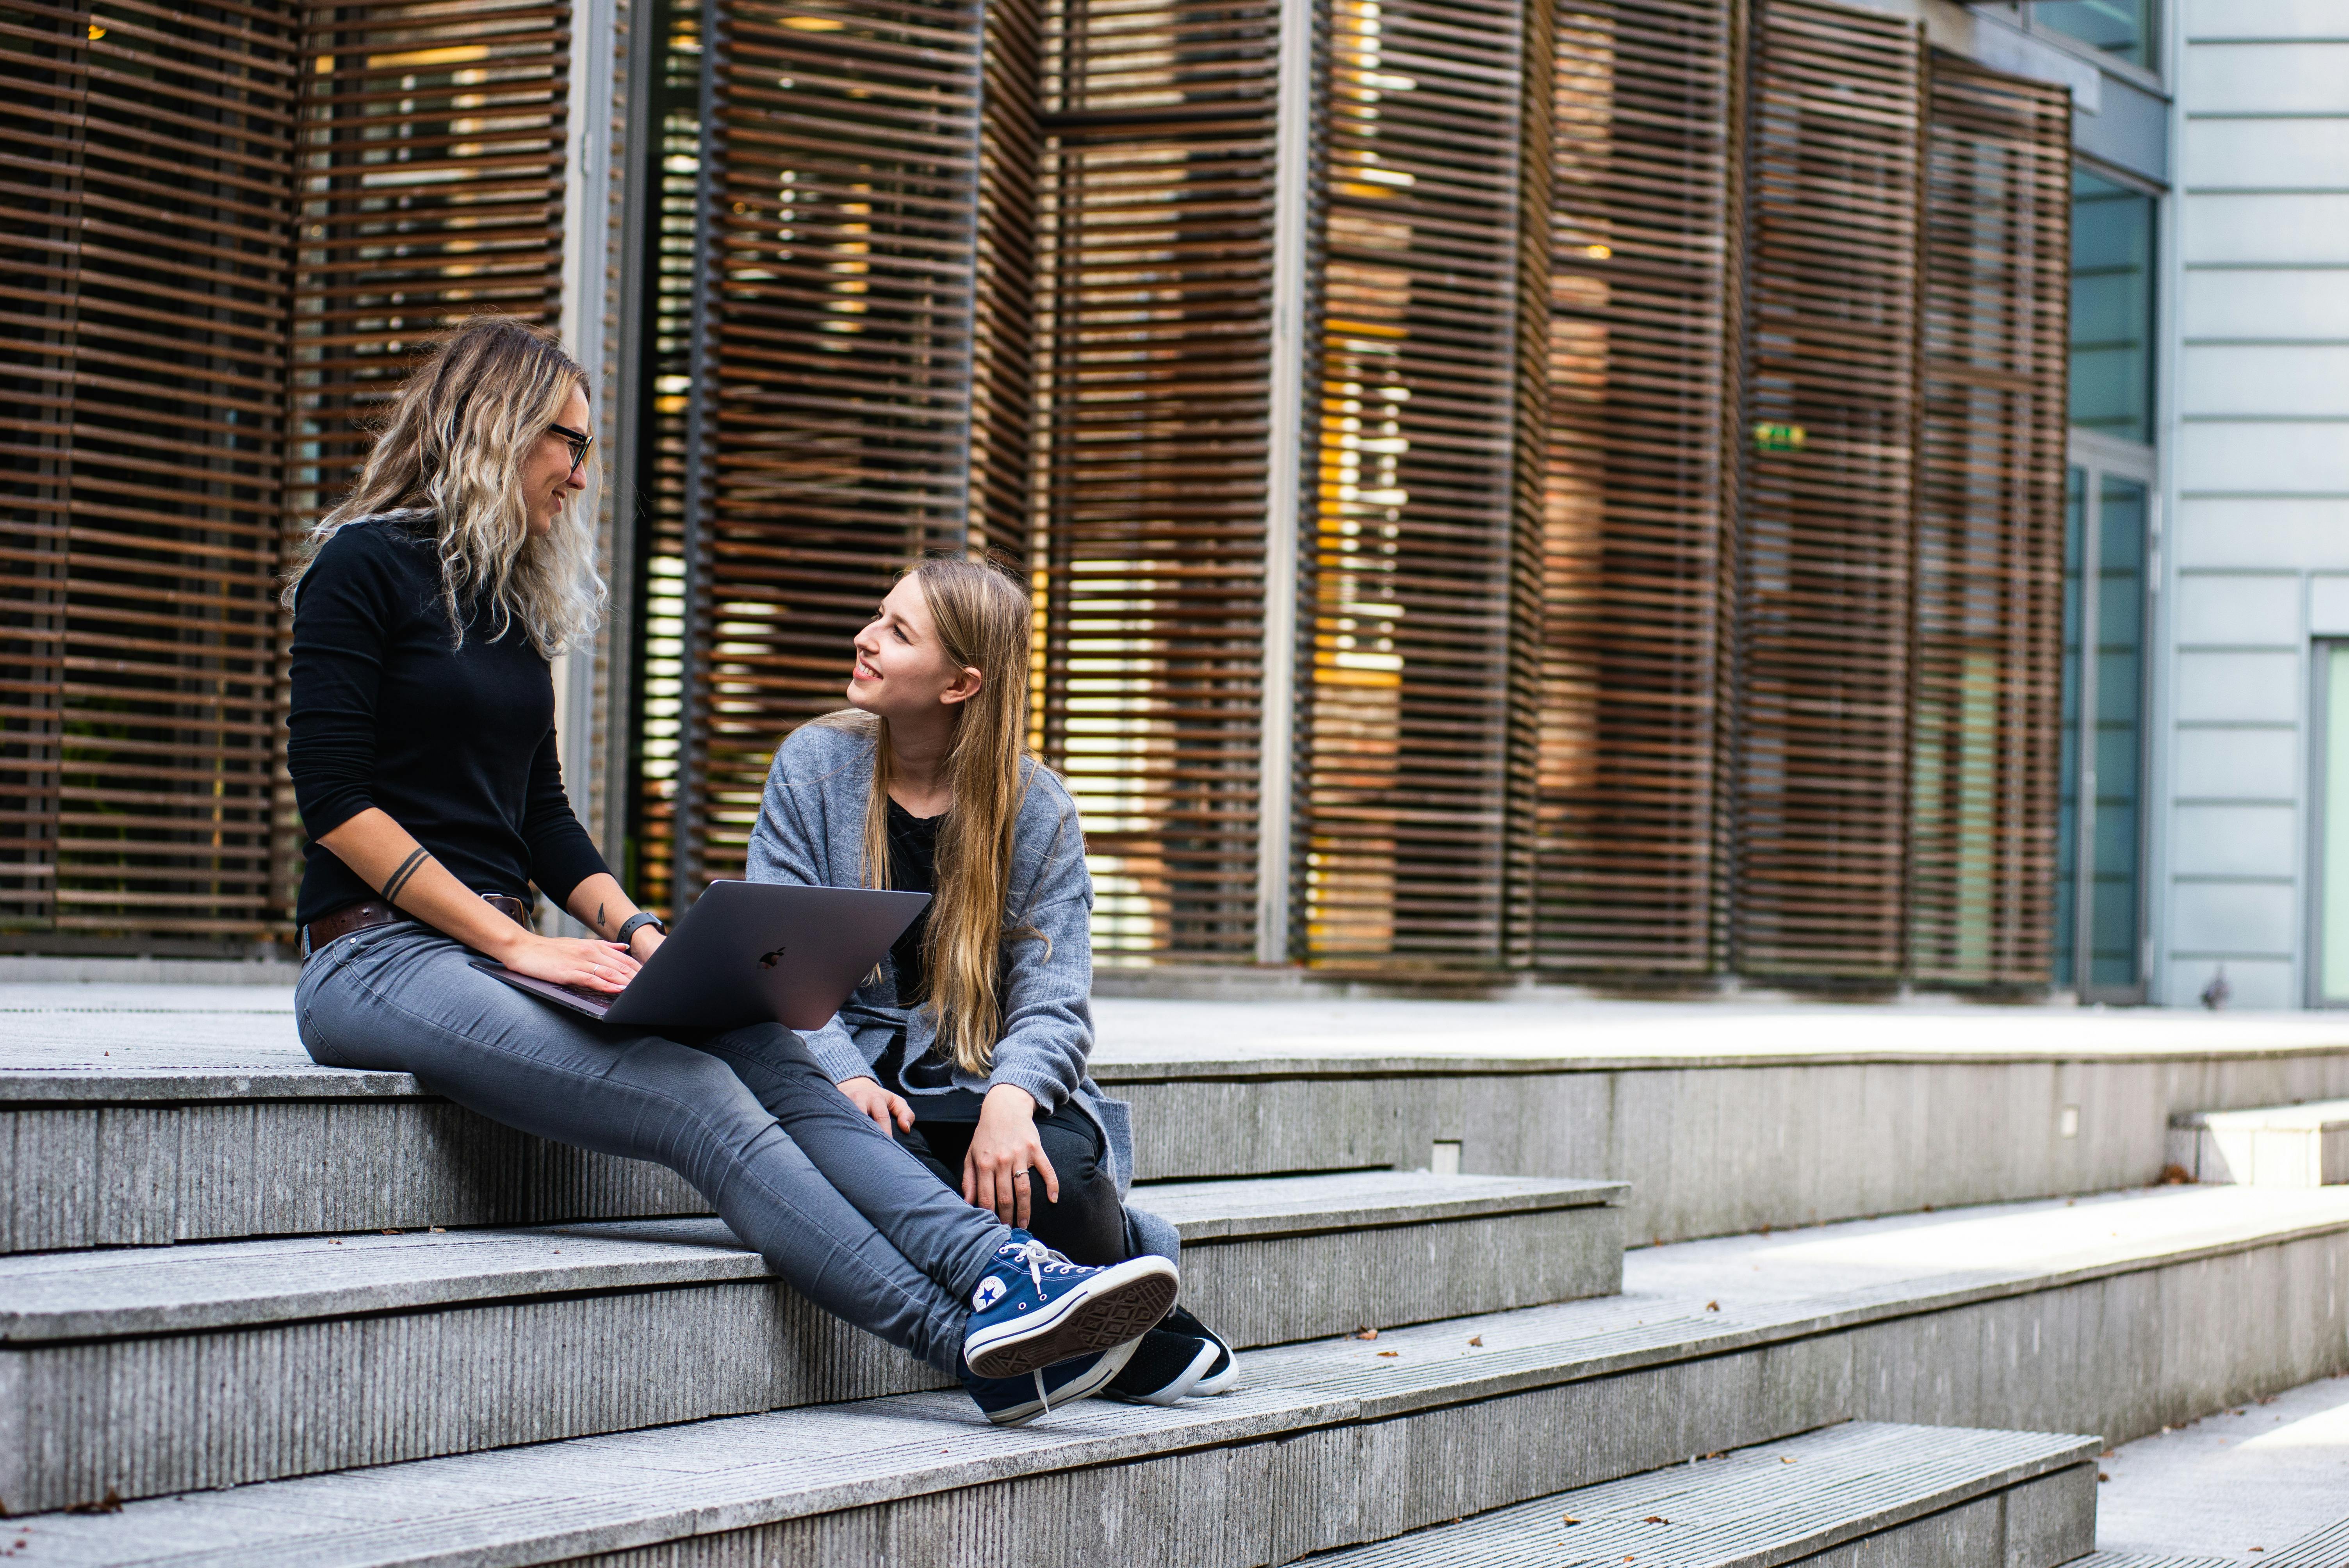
(1823, 619)
(656, 723)
(146, 226)
(1990, 527)
(835, 393)
(432, 183)
(1631, 556)
(1406, 798)
(1003, 283)
(1154, 344)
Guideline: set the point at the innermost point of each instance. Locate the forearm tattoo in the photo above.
(400, 878)
(599, 917)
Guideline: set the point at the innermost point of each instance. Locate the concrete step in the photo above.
(2142, 1560)
(1948, 1497)
(2274, 1146)
(146, 1370)
(132, 1116)
(2047, 1317)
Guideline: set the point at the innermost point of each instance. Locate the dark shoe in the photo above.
(1015, 1401)
(1223, 1374)
(1035, 1308)
(1165, 1367)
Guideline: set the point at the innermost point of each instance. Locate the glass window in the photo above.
(2120, 29)
(2112, 308)
(2100, 763)
(2333, 865)
(2112, 788)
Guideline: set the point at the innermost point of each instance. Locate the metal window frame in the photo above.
(2096, 455)
(2320, 692)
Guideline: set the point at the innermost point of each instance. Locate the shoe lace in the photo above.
(1042, 1393)
(1040, 1257)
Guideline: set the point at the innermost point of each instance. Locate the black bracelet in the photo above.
(399, 878)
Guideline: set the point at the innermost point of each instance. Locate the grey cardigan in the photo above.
(811, 831)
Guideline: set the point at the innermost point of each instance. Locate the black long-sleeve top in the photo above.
(456, 744)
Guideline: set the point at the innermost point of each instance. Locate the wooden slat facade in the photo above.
(1588, 678)
(1154, 364)
(146, 225)
(1990, 528)
(1631, 538)
(431, 187)
(656, 723)
(833, 439)
(1819, 805)
(1428, 514)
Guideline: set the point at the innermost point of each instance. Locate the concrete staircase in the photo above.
(552, 1361)
(1864, 1492)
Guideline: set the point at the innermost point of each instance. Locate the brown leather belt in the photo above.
(372, 912)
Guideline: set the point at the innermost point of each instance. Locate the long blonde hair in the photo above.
(983, 618)
(452, 450)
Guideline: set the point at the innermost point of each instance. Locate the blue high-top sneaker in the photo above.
(1015, 1401)
(1034, 1307)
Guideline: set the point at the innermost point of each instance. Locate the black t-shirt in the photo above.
(913, 868)
(457, 744)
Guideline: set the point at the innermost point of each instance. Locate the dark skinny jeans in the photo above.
(852, 1220)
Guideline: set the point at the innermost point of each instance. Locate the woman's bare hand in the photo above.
(878, 1103)
(1007, 1158)
(571, 961)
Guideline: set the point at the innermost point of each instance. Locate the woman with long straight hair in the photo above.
(423, 754)
(968, 1043)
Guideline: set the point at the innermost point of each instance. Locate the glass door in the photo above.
(2100, 847)
(2329, 985)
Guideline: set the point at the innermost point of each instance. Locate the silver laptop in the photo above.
(748, 952)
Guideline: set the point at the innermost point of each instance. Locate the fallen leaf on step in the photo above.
(110, 1503)
(1571, 1520)
(1477, 1339)
(1655, 1519)
(1366, 1332)
(1390, 1352)
(389, 1231)
(1785, 1459)
(1712, 1306)
(2102, 1476)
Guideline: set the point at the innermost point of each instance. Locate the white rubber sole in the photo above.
(1112, 1363)
(1119, 1304)
(1185, 1383)
(1223, 1382)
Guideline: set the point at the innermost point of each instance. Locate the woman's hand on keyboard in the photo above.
(573, 961)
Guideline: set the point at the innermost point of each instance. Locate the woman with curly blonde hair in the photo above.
(425, 607)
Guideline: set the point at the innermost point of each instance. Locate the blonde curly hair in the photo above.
(452, 450)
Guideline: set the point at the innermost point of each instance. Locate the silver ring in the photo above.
(1019, 1175)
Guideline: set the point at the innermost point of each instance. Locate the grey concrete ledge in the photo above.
(1356, 1200)
(1362, 1428)
(50, 1297)
(2316, 1116)
(1788, 1501)
(122, 1293)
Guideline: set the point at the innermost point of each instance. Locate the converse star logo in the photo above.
(991, 1291)
(769, 960)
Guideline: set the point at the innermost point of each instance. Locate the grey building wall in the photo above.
(2259, 443)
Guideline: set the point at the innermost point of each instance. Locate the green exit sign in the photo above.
(1770, 438)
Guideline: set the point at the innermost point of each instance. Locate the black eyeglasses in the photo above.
(578, 443)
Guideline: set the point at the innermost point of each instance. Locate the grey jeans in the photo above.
(851, 1220)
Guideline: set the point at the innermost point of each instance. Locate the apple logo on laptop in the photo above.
(766, 960)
